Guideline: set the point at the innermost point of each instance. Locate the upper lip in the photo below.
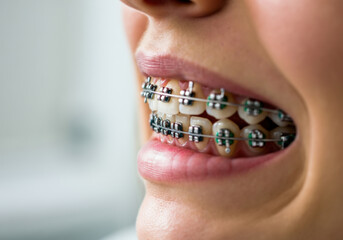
(172, 67)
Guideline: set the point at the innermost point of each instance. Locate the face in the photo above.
(287, 54)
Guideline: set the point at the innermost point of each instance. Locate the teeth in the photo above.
(169, 105)
(220, 128)
(167, 120)
(157, 120)
(250, 113)
(287, 133)
(254, 133)
(220, 111)
(195, 108)
(202, 126)
(153, 103)
(182, 124)
(281, 119)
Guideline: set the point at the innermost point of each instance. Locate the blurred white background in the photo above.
(68, 138)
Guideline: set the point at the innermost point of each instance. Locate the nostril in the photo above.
(185, 1)
(156, 2)
(184, 8)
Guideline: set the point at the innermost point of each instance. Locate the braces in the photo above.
(223, 136)
(187, 98)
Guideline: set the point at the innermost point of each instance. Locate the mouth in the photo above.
(205, 126)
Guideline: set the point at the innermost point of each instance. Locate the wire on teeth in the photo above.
(195, 133)
(284, 117)
(176, 128)
(187, 93)
(148, 90)
(215, 100)
(163, 95)
(286, 139)
(253, 107)
(187, 98)
(255, 138)
(227, 134)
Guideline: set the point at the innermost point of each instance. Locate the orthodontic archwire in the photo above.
(224, 137)
(168, 130)
(149, 90)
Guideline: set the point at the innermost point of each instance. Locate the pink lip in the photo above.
(167, 66)
(165, 163)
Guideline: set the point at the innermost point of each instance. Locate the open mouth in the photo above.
(201, 131)
(215, 121)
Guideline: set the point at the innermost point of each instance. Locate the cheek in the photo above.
(304, 38)
(135, 24)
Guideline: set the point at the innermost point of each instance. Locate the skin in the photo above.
(292, 53)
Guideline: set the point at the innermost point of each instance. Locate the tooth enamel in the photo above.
(206, 128)
(196, 108)
(221, 111)
(156, 120)
(251, 118)
(252, 132)
(279, 132)
(183, 120)
(281, 119)
(153, 103)
(167, 120)
(235, 132)
(172, 105)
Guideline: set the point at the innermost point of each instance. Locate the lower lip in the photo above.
(161, 162)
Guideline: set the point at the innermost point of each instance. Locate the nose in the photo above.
(184, 8)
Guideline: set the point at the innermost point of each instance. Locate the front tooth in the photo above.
(220, 111)
(251, 115)
(153, 103)
(181, 123)
(221, 129)
(255, 133)
(201, 126)
(192, 107)
(286, 133)
(281, 119)
(169, 105)
(167, 120)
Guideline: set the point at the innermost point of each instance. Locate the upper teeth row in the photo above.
(219, 104)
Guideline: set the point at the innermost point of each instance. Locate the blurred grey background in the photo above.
(68, 138)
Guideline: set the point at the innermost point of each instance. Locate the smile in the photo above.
(209, 124)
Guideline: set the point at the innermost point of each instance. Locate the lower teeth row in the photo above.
(224, 132)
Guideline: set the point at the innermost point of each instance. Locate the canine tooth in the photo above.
(281, 119)
(250, 112)
(156, 122)
(181, 123)
(169, 105)
(153, 103)
(195, 108)
(222, 126)
(220, 111)
(255, 133)
(202, 126)
(286, 133)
